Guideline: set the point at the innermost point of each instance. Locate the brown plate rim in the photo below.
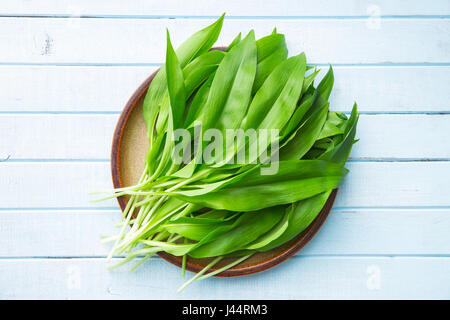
(297, 243)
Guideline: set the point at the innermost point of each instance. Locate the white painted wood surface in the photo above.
(128, 41)
(298, 278)
(64, 80)
(107, 88)
(251, 8)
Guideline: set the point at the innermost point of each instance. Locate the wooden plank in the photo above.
(76, 233)
(100, 88)
(64, 88)
(369, 184)
(60, 136)
(382, 88)
(89, 136)
(395, 184)
(297, 278)
(49, 185)
(402, 136)
(63, 233)
(30, 40)
(232, 7)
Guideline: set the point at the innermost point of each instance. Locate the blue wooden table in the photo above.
(68, 67)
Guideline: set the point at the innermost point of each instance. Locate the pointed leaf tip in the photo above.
(221, 18)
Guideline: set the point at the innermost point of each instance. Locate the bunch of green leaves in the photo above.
(220, 210)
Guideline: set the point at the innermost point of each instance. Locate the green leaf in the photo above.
(295, 180)
(341, 152)
(175, 85)
(199, 69)
(247, 228)
(267, 45)
(234, 42)
(303, 215)
(329, 130)
(308, 82)
(171, 248)
(277, 98)
(305, 136)
(337, 118)
(267, 195)
(305, 104)
(273, 234)
(290, 170)
(326, 85)
(200, 42)
(198, 103)
(271, 51)
(193, 228)
(195, 74)
(230, 90)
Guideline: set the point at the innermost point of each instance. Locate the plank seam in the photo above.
(158, 64)
(62, 112)
(297, 256)
(9, 159)
(203, 17)
(337, 208)
(116, 210)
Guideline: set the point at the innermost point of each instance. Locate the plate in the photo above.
(129, 147)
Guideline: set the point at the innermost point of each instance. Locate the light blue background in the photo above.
(68, 67)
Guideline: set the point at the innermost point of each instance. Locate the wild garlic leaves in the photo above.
(261, 152)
